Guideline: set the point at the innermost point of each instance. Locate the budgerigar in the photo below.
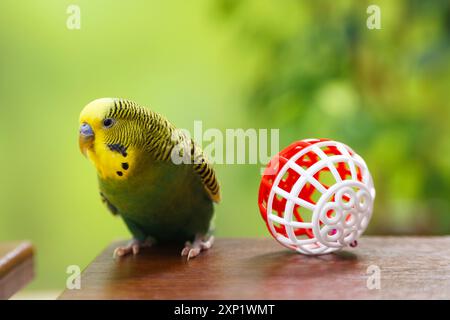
(159, 199)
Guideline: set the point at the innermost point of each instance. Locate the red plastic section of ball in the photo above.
(307, 193)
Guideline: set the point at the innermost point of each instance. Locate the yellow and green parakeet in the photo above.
(159, 199)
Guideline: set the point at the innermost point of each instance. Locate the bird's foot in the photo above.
(191, 250)
(132, 247)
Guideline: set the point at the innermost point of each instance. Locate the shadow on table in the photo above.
(287, 264)
(150, 262)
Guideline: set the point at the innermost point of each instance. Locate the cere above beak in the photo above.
(85, 138)
(86, 130)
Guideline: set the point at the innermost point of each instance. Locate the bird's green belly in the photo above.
(166, 202)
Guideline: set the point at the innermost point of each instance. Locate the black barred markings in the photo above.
(205, 171)
(117, 147)
(208, 177)
(122, 108)
(156, 138)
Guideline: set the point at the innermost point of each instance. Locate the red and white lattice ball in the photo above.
(316, 196)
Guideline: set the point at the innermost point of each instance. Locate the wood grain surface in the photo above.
(410, 268)
(16, 267)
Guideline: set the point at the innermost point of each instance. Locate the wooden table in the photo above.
(410, 267)
(16, 267)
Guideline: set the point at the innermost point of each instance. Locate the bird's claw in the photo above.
(133, 246)
(191, 250)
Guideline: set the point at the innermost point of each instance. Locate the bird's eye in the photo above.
(108, 122)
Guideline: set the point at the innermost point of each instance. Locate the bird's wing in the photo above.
(162, 137)
(206, 173)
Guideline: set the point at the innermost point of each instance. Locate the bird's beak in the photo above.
(86, 138)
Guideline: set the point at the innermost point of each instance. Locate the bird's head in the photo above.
(96, 124)
(109, 128)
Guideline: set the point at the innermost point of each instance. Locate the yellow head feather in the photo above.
(111, 162)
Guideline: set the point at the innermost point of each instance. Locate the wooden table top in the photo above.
(16, 267)
(410, 267)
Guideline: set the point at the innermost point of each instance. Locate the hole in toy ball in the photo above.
(332, 217)
(350, 220)
(279, 203)
(302, 214)
(276, 213)
(326, 177)
(330, 150)
(288, 180)
(310, 193)
(344, 170)
(307, 160)
(362, 202)
(346, 198)
(331, 214)
(316, 196)
(302, 236)
(332, 234)
(279, 228)
(285, 176)
(309, 232)
(359, 173)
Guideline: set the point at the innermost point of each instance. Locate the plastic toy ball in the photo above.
(316, 196)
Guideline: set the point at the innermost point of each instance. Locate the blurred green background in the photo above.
(310, 68)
